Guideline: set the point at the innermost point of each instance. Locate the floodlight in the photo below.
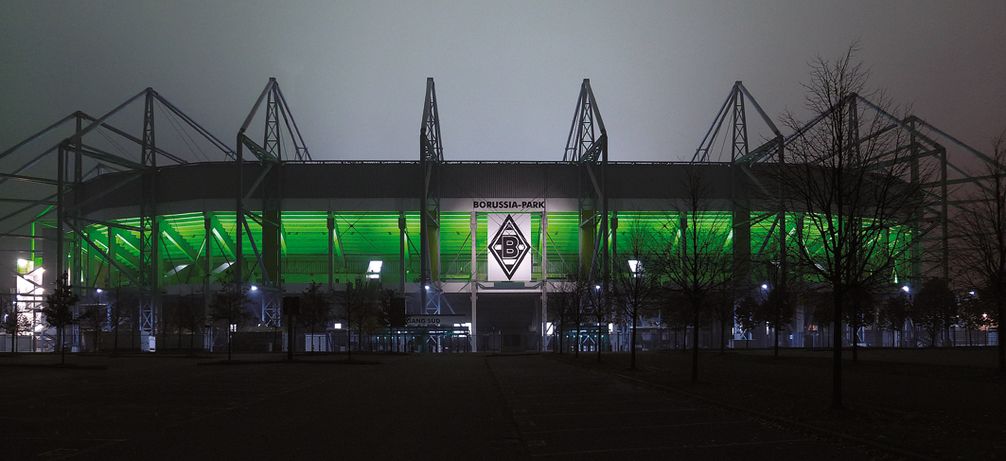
(254, 288)
(905, 288)
(337, 326)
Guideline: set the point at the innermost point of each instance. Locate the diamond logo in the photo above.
(509, 247)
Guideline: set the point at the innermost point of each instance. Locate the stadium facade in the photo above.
(476, 251)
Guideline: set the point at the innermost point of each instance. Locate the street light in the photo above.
(254, 288)
(764, 287)
(906, 289)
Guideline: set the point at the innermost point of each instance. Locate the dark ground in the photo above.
(428, 406)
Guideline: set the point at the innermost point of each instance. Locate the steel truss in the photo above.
(268, 187)
(587, 147)
(66, 205)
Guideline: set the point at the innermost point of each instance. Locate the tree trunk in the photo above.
(723, 332)
(695, 344)
(598, 341)
(632, 342)
(775, 346)
(1000, 321)
(62, 346)
(836, 352)
(855, 332)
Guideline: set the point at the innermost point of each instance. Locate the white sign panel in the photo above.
(509, 247)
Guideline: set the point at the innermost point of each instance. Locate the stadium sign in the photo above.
(509, 247)
(508, 204)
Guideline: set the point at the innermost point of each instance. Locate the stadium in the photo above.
(477, 254)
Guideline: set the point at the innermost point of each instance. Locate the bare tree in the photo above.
(94, 318)
(935, 309)
(315, 309)
(12, 321)
(636, 285)
(228, 305)
(894, 313)
(362, 304)
(847, 175)
(59, 314)
(983, 242)
(571, 307)
(701, 265)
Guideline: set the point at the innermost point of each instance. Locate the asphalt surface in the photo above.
(406, 407)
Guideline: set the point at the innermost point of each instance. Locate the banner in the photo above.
(509, 247)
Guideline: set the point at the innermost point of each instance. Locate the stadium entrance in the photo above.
(508, 322)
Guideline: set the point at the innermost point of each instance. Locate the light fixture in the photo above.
(426, 287)
(635, 266)
(98, 290)
(597, 287)
(905, 288)
(972, 292)
(254, 288)
(764, 286)
(374, 269)
(21, 262)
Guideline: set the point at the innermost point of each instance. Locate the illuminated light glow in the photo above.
(597, 287)
(98, 290)
(375, 267)
(426, 287)
(764, 286)
(337, 326)
(254, 288)
(972, 292)
(905, 288)
(611, 327)
(635, 266)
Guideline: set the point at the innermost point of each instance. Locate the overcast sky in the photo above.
(507, 72)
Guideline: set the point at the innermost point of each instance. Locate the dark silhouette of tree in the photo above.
(187, 315)
(228, 307)
(701, 264)
(94, 318)
(847, 172)
(935, 309)
(982, 254)
(58, 312)
(636, 287)
(570, 306)
(776, 310)
(315, 309)
(11, 321)
(894, 313)
(746, 314)
(362, 303)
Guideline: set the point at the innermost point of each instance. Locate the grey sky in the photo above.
(507, 73)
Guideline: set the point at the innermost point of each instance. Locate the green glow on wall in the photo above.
(362, 236)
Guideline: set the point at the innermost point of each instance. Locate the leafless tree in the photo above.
(572, 307)
(700, 264)
(983, 243)
(12, 320)
(847, 174)
(636, 286)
